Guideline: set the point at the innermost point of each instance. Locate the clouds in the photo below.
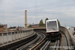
(68, 11)
(13, 11)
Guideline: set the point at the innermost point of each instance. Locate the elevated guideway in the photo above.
(24, 33)
(39, 28)
(67, 41)
(67, 33)
(12, 38)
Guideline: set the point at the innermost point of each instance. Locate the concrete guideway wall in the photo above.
(67, 34)
(72, 38)
(39, 28)
(10, 36)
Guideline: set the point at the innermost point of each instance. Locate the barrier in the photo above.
(67, 34)
(10, 36)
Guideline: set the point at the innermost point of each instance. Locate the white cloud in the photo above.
(70, 11)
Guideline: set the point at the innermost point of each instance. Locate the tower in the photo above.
(25, 18)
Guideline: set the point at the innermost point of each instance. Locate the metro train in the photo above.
(52, 30)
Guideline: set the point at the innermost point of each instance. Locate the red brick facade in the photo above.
(2, 27)
(36, 25)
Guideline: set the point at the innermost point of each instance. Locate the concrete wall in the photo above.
(67, 34)
(72, 38)
(7, 37)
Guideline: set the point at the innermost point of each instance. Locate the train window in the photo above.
(52, 25)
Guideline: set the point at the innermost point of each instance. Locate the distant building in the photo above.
(15, 28)
(35, 25)
(3, 27)
(71, 29)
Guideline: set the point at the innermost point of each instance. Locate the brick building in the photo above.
(3, 27)
(35, 25)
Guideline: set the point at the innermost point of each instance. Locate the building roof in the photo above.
(2, 24)
(35, 24)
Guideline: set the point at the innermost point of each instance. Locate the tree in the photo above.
(58, 22)
(45, 20)
(12, 27)
(30, 25)
(41, 23)
(1, 26)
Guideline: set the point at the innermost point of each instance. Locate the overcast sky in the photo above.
(12, 12)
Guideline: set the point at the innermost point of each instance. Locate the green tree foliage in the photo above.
(12, 27)
(41, 23)
(1, 26)
(58, 22)
(45, 20)
(30, 26)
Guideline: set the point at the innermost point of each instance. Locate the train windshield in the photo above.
(51, 26)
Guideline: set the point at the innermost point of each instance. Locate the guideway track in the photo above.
(40, 44)
(64, 41)
(44, 44)
(30, 44)
(48, 45)
(24, 42)
(54, 45)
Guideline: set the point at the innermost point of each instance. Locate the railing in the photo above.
(7, 37)
(67, 34)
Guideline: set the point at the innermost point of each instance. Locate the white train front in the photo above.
(52, 30)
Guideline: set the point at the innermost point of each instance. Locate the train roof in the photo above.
(52, 20)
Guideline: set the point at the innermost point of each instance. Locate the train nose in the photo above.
(57, 33)
(47, 34)
(52, 34)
